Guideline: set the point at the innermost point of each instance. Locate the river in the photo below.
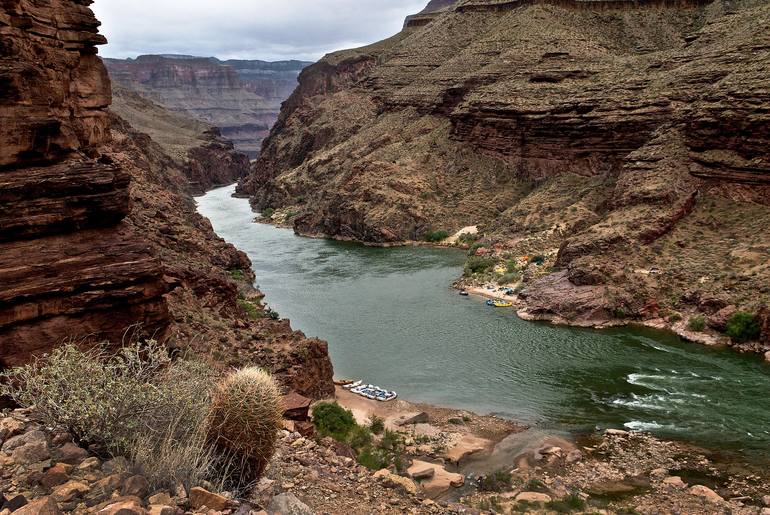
(391, 318)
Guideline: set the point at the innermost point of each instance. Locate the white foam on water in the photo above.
(638, 425)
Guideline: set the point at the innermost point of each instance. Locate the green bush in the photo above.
(743, 326)
(478, 265)
(376, 424)
(268, 213)
(251, 309)
(373, 459)
(697, 323)
(510, 277)
(360, 437)
(496, 482)
(572, 502)
(134, 403)
(538, 260)
(436, 236)
(468, 238)
(238, 275)
(333, 420)
(476, 246)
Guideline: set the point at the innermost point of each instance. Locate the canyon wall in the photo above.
(70, 265)
(99, 237)
(240, 97)
(613, 138)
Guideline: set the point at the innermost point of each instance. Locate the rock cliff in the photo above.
(68, 260)
(208, 159)
(99, 238)
(613, 138)
(240, 97)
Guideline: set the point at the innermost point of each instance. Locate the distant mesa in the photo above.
(240, 97)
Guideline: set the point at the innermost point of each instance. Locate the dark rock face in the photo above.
(69, 265)
(241, 98)
(215, 163)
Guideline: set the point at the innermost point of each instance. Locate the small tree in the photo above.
(743, 326)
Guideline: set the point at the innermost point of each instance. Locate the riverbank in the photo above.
(453, 456)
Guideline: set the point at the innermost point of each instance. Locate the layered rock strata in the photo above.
(99, 238)
(240, 97)
(613, 138)
(69, 265)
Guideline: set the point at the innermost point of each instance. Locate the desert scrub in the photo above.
(743, 326)
(267, 213)
(436, 236)
(468, 238)
(509, 278)
(135, 403)
(237, 275)
(478, 265)
(243, 424)
(376, 424)
(697, 323)
(496, 482)
(331, 419)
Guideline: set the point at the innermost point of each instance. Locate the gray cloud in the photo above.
(247, 29)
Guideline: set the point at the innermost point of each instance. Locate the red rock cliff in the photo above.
(69, 266)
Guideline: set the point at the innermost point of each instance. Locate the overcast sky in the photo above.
(247, 29)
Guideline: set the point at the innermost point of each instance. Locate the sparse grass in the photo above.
(697, 323)
(497, 481)
(238, 275)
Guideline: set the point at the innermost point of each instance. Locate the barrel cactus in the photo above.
(244, 420)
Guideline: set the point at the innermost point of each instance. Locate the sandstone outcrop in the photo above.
(613, 136)
(69, 265)
(240, 97)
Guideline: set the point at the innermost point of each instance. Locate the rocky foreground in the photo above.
(44, 472)
(624, 142)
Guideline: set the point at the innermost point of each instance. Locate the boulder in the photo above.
(161, 498)
(719, 319)
(675, 481)
(10, 427)
(706, 493)
(161, 509)
(70, 490)
(288, 504)
(391, 480)
(465, 447)
(123, 507)
(202, 497)
(413, 418)
(42, 506)
(14, 503)
(71, 453)
(439, 479)
(533, 497)
(574, 456)
(616, 432)
(767, 356)
(136, 486)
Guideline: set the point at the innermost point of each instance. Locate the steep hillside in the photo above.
(99, 238)
(207, 158)
(625, 143)
(240, 97)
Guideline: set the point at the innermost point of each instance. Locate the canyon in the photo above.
(241, 98)
(623, 143)
(99, 238)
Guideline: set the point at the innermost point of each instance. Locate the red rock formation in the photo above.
(99, 238)
(615, 136)
(69, 267)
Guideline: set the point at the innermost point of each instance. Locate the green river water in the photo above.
(391, 318)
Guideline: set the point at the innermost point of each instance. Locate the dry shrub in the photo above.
(135, 403)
